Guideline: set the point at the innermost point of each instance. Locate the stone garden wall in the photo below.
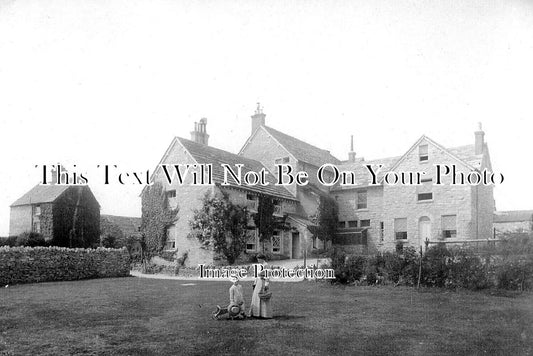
(42, 264)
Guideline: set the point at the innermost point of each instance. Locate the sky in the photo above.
(97, 82)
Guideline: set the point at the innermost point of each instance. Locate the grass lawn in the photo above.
(134, 316)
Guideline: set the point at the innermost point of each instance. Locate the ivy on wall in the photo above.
(221, 225)
(326, 219)
(265, 221)
(156, 217)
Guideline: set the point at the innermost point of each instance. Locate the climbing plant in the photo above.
(265, 221)
(157, 215)
(220, 225)
(326, 219)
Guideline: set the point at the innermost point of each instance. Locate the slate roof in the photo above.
(127, 224)
(513, 216)
(41, 194)
(206, 154)
(301, 150)
(467, 154)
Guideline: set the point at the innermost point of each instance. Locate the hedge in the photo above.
(43, 264)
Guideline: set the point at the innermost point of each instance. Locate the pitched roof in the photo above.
(363, 177)
(41, 194)
(128, 225)
(467, 153)
(513, 216)
(206, 154)
(301, 150)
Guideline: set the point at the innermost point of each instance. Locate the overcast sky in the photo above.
(112, 82)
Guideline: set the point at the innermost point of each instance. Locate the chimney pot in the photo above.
(479, 140)
(351, 154)
(199, 135)
(258, 118)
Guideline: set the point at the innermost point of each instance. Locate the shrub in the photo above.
(355, 267)
(338, 258)
(152, 268)
(515, 275)
(466, 270)
(30, 239)
(395, 267)
(108, 241)
(434, 266)
(10, 241)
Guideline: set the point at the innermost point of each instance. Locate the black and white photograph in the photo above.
(266, 177)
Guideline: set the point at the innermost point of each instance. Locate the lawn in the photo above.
(135, 316)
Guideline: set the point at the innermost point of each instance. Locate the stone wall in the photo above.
(44, 264)
(347, 202)
(20, 219)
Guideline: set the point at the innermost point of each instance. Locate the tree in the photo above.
(156, 217)
(221, 225)
(326, 219)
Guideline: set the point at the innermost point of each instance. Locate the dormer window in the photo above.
(423, 155)
(171, 193)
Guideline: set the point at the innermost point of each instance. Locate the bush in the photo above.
(152, 268)
(355, 267)
(466, 270)
(434, 266)
(10, 241)
(108, 241)
(515, 275)
(30, 239)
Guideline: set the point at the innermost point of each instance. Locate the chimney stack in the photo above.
(351, 154)
(258, 118)
(479, 142)
(199, 135)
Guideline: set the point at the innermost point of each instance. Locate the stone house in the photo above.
(289, 241)
(63, 214)
(410, 215)
(372, 217)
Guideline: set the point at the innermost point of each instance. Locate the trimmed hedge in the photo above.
(43, 264)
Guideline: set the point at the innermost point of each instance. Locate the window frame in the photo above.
(255, 241)
(276, 233)
(451, 232)
(402, 234)
(423, 156)
(358, 203)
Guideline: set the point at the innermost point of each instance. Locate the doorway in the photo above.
(424, 230)
(295, 245)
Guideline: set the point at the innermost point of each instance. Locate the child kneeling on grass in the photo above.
(235, 309)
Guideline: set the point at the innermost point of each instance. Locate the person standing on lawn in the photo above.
(260, 305)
